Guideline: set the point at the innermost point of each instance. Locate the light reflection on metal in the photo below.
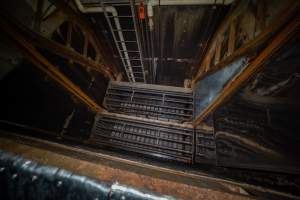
(208, 89)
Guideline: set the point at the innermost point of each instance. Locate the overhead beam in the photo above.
(57, 49)
(88, 31)
(256, 65)
(230, 23)
(30, 52)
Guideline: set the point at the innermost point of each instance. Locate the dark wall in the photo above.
(258, 127)
(32, 99)
(182, 34)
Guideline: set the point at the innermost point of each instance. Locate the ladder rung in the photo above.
(130, 58)
(129, 51)
(120, 4)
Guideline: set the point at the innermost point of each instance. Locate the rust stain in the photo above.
(109, 174)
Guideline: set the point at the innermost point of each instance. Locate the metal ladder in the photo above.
(132, 58)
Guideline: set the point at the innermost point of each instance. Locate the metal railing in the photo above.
(130, 55)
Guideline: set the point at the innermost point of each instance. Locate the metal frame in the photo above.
(120, 43)
(65, 49)
(165, 172)
(153, 139)
(91, 37)
(30, 52)
(225, 48)
(256, 65)
(205, 145)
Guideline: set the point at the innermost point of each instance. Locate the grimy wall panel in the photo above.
(258, 128)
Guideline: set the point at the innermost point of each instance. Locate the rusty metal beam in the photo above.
(30, 52)
(256, 65)
(58, 49)
(232, 36)
(88, 31)
(291, 8)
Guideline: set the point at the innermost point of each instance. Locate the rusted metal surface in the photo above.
(281, 38)
(239, 35)
(258, 125)
(154, 121)
(181, 34)
(88, 32)
(205, 145)
(43, 64)
(52, 21)
(63, 51)
(110, 174)
(150, 101)
(265, 184)
(153, 139)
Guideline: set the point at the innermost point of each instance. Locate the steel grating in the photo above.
(159, 140)
(126, 36)
(205, 145)
(150, 102)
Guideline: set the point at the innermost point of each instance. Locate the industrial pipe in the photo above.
(150, 4)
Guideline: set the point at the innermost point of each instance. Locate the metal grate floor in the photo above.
(159, 140)
(149, 102)
(205, 146)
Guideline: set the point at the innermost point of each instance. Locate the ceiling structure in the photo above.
(164, 46)
(206, 85)
(172, 37)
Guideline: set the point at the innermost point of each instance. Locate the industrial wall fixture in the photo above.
(133, 59)
(134, 72)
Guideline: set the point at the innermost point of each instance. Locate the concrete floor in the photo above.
(107, 173)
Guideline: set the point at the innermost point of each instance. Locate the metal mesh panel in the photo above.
(145, 137)
(205, 146)
(150, 103)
